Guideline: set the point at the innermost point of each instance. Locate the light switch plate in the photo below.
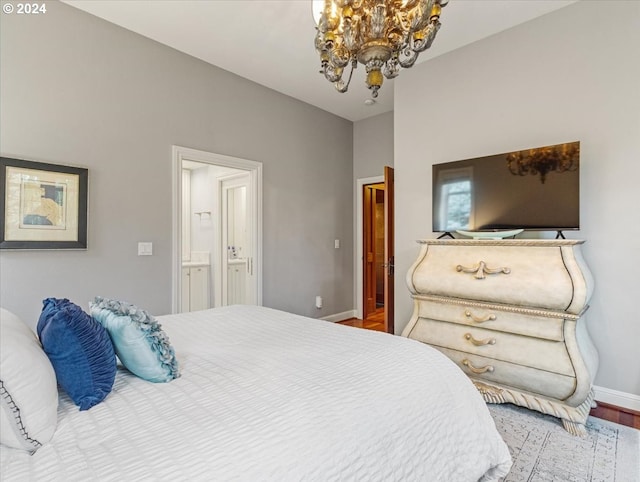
(145, 249)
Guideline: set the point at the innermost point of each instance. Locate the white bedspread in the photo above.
(270, 396)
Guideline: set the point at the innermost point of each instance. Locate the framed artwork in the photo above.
(42, 206)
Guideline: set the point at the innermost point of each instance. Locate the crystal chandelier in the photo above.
(383, 35)
(558, 158)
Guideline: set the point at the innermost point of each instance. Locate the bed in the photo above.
(266, 395)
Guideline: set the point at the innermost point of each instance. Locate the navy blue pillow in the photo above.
(80, 351)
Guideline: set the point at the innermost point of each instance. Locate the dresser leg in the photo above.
(573, 418)
(574, 428)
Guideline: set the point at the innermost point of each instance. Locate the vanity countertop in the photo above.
(194, 264)
(237, 261)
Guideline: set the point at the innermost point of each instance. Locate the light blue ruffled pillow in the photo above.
(138, 339)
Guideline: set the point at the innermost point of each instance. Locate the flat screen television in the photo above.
(535, 189)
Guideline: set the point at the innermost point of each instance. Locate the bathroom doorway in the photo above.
(217, 238)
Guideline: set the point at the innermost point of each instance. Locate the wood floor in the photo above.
(623, 416)
(373, 322)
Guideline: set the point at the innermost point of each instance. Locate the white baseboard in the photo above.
(619, 399)
(345, 315)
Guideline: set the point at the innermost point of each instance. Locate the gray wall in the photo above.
(372, 145)
(80, 91)
(570, 75)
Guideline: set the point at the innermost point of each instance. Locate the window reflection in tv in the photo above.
(534, 189)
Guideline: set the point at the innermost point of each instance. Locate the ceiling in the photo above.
(271, 41)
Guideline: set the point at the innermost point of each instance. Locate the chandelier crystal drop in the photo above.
(383, 35)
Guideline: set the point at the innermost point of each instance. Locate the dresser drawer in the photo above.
(492, 317)
(539, 382)
(535, 276)
(537, 353)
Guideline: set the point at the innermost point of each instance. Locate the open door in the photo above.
(378, 253)
(389, 258)
(373, 245)
(238, 277)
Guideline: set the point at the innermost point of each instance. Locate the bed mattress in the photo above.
(271, 396)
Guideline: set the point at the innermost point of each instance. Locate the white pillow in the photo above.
(28, 388)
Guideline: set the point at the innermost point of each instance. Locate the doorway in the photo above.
(375, 251)
(217, 230)
(373, 234)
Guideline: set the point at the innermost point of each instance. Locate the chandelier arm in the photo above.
(318, 41)
(331, 73)
(339, 57)
(391, 68)
(407, 58)
(340, 84)
(430, 35)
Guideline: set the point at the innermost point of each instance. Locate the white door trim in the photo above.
(359, 266)
(254, 168)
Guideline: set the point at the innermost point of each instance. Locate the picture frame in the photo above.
(42, 206)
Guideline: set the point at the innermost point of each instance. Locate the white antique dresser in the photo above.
(510, 314)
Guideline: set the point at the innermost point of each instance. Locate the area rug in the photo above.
(543, 451)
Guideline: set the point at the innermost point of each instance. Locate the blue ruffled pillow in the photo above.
(80, 351)
(141, 345)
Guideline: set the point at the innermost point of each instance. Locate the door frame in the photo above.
(359, 269)
(254, 168)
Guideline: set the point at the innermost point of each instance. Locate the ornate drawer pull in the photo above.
(479, 319)
(486, 341)
(468, 364)
(481, 270)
